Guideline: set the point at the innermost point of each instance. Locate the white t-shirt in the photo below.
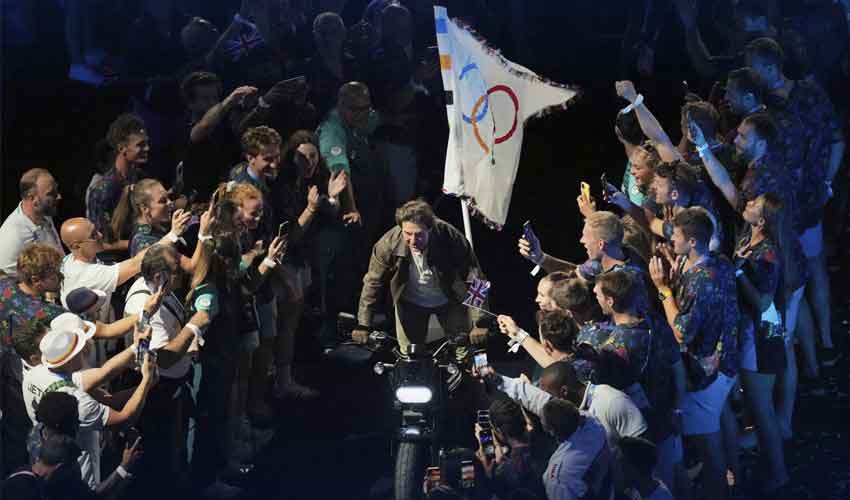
(93, 415)
(17, 232)
(94, 275)
(423, 288)
(165, 324)
(615, 411)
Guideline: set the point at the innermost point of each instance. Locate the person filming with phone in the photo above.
(166, 417)
(505, 452)
(427, 264)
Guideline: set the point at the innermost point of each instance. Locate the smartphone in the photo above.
(467, 474)
(283, 229)
(482, 366)
(485, 434)
(131, 435)
(215, 196)
(433, 476)
(606, 190)
(144, 344)
(585, 191)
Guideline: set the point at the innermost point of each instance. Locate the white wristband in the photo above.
(124, 473)
(269, 263)
(517, 341)
(334, 201)
(195, 329)
(628, 109)
(204, 237)
(172, 237)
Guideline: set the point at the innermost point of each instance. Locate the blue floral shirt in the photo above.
(820, 129)
(706, 296)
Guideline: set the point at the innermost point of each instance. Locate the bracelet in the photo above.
(172, 237)
(204, 237)
(269, 263)
(333, 200)
(263, 104)
(631, 107)
(195, 329)
(311, 210)
(514, 343)
(124, 473)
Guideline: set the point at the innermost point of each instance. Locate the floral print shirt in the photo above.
(761, 266)
(18, 308)
(820, 129)
(706, 296)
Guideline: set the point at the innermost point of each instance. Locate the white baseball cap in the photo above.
(60, 346)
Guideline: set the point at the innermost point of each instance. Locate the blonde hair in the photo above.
(133, 198)
(37, 260)
(607, 226)
(239, 192)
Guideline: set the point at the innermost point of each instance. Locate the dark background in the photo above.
(340, 447)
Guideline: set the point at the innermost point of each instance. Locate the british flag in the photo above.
(477, 293)
(239, 48)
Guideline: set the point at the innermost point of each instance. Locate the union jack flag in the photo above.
(238, 48)
(477, 293)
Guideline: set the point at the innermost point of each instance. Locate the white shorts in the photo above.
(792, 309)
(701, 409)
(812, 241)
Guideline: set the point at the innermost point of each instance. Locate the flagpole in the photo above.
(467, 226)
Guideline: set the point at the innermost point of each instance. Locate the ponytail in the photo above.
(121, 216)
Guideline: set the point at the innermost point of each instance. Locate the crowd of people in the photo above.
(278, 164)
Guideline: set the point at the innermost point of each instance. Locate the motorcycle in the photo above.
(423, 382)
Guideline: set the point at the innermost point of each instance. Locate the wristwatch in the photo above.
(664, 294)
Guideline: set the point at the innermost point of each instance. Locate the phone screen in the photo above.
(480, 360)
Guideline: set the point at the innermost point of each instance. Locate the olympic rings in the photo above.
(482, 100)
(466, 69)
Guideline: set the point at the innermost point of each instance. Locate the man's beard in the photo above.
(48, 210)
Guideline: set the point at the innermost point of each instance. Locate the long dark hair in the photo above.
(779, 229)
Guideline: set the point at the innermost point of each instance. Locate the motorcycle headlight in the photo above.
(413, 394)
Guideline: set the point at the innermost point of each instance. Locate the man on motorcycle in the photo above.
(427, 264)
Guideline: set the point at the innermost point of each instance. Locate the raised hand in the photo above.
(586, 206)
(337, 183)
(238, 95)
(277, 248)
(352, 218)
(313, 198)
(180, 221)
(656, 272)
(507, 325)
(626, 90)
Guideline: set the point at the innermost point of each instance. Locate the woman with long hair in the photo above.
(761, 275)
(217, 288)
(320, 246)
(147, 204)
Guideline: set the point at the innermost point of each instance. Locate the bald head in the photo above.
(355, 105)
(76, 233)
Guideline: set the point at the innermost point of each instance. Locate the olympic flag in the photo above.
(488, 101)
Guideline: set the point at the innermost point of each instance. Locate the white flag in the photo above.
(488, 100)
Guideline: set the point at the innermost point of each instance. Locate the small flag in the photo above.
(239, 48)
(477, 293)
